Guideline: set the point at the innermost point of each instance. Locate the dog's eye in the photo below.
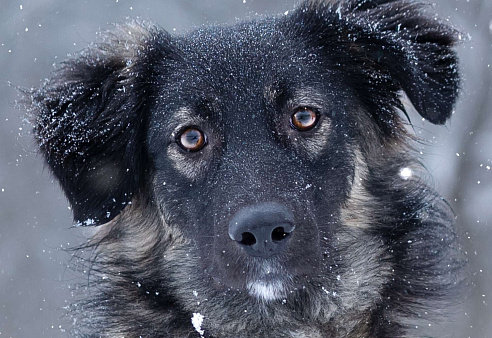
(192, 139)
(304, 119)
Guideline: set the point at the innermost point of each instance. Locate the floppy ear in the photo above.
(91, 120)
(396, 45)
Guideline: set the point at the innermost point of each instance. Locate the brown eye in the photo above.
(304, 119)
(192, 139)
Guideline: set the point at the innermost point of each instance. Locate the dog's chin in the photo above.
(263, 280)
(267, 290)
(269, 283)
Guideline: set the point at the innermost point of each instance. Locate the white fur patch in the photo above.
(270, 282)
(266, 291)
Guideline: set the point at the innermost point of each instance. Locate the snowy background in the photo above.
(34, 216)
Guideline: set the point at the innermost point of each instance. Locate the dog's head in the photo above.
(275, 148)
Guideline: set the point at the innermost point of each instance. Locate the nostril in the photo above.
(247, 238)
(262, 230)
(279, 234)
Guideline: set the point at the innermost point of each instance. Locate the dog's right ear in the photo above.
(91, 119)
(384, 46)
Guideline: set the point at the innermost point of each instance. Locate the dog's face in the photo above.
(247, 159)
(259, 166)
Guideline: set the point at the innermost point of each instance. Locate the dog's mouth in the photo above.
(263, 280)
(269, 282)
(267, 290)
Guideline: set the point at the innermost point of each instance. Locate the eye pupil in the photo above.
(304, 119)
(192, 139)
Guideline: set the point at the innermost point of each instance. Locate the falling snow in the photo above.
(483, 181)
(406, 173)
(197, 321)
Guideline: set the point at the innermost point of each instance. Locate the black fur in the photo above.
(373, 251)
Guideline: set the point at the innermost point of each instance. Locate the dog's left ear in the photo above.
(91, 120)
(395, 39)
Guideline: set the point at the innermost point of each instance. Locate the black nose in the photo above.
(262, 230)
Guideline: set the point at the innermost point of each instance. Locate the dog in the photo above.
(257, 180)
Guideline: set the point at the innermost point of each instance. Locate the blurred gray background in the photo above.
(34, 216)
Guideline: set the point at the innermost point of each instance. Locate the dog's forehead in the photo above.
(244, 65)
(245, 56)
(254, 40)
